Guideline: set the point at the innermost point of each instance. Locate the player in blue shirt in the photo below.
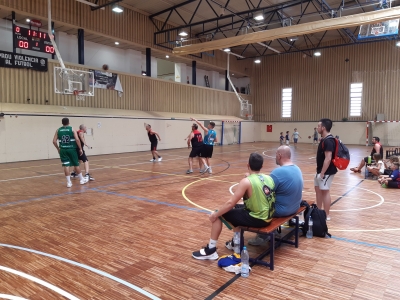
(210, 137)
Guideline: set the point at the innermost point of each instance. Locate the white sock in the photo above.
(212, 243)
(205, 166)
(80, 176)
(68, 179)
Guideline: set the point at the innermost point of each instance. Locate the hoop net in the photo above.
(249, 117)
(377, 30)
(79, 95)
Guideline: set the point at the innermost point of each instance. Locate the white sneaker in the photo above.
(189, 171)
(84, 180)
(69, 184)
(152, 160)
(205, 169)
(160, 159)
(258, 240)
(209, 170)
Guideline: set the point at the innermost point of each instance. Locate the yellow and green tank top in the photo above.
(261, 205)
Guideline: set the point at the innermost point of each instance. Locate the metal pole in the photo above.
(52, 37)
(14, 41)
(81, 47)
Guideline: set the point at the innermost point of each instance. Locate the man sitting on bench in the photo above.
(367, 160)
(288, 181)
(256, 190)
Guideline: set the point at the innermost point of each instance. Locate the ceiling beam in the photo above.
(296, 30)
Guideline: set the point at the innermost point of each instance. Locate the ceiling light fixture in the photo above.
(183, 33)
(398, 44)
(28, 20)
(144, 73)
(259, 17)
(227, 49)
(116, 43)
(257, 61)
(117, 9)
(166, 56)
(317, 53)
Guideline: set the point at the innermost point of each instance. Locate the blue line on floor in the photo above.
(366, 244)
(152, 201)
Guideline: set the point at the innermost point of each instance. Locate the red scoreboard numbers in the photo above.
(25, 38)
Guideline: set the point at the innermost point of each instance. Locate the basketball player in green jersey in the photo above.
(67, 148)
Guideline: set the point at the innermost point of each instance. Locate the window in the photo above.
(286, 103)
(355, 99)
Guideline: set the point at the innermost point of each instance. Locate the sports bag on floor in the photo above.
(318, 216)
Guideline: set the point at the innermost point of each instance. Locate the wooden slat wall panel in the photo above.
(140, 93)
(129, 26)
(321, 85)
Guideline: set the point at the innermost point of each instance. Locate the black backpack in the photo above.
(318, 216)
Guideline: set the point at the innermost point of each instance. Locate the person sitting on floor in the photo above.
(393, 181)
(256, 188)
(288, 181)
(388, 166)
(378, 167)
(376, 149)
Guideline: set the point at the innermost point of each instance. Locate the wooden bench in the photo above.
(274, 242)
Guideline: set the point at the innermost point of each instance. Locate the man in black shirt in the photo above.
(368, 159)
(326, 170)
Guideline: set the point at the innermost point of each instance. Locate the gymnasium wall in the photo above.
(27, 131)
(130, 27)
(321, 85)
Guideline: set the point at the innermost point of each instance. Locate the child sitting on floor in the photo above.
(393, 181)
(378, 168)
(388, 163)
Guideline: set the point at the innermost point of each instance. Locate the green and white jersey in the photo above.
(66, 138)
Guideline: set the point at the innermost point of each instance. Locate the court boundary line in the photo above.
(40, 281)
(86, 267)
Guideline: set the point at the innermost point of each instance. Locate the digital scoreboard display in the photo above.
(25, 38)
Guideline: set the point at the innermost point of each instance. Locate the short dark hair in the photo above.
(376, 156)
(376, 139)
(327, 123)
(65, 121)
(195, 126)
(212, 124)
(256, 161)
(148, 125)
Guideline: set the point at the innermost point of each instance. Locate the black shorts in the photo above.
(388, 172)
(241, 217)
(196, 151)
(207, 151)
(393, 184)
(83, 156)
(153, 146)
(316, 139)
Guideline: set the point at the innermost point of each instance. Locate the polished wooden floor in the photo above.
(132, 232)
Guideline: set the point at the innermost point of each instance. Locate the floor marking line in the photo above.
(99, 272)
(41, 282)
(366, 244)
(11, 297)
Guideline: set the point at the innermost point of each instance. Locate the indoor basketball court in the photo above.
(127, 229)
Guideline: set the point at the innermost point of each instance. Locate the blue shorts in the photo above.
(295, 140)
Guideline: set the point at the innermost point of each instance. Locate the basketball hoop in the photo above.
(79, 95)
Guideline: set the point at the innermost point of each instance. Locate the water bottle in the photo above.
(236, 243)
(309, 231)
(244, 256)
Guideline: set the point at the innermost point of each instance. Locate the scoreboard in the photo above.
(25, 38)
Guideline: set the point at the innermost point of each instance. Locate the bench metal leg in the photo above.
(272, 252)
(241, 239)
(296, 232)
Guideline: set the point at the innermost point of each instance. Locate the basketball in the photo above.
(105, 67)
(309, 136)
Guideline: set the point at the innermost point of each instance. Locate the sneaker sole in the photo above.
(229, 246)
(213, 256)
